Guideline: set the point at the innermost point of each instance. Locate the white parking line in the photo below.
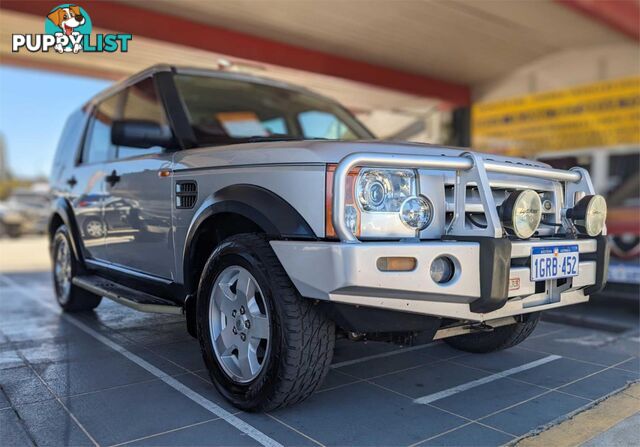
(467, 386)
(381, 355)
(173, 383)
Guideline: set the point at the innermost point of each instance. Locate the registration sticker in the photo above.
(555, 261)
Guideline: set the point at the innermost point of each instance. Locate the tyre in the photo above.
(264, 345)
(500, 338)
(69, 296)
(93, 228)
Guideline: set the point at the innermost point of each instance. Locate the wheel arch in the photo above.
(63, 215)
(233, 210)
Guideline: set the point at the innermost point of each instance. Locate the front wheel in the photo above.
(264, 345)
(500, 338)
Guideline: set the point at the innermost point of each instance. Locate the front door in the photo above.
(87, 181)
(137, 202)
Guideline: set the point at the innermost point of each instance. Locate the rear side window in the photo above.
(71, 139)
(98, 147)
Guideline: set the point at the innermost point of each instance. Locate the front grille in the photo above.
(186, 194)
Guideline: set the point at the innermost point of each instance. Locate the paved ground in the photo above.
(121, 377)
(29, 253)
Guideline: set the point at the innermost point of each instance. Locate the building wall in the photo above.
(562, 70)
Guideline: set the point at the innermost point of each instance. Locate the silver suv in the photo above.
(269, 215)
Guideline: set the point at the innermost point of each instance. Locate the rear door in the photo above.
(137, 201)
(87, 180)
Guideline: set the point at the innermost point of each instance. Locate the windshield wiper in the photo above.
(258, 138)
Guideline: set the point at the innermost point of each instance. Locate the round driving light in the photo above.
(416, 212)
(589, 215)
(521, 213)
(442, 270)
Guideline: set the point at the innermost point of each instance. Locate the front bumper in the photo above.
(347, 273)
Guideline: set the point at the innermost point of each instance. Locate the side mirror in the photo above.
(141, 133)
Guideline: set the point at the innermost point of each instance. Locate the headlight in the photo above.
(521, 213)
(380, 203)
(589, 215)
(384, 190)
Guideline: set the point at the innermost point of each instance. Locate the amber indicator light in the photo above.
(329, 231)
(397, 264)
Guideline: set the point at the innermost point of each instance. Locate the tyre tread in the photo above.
(80, 300)
(308, 335)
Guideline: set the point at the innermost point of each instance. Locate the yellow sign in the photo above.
(596, 115)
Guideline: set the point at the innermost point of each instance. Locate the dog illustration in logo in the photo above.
(67, 19)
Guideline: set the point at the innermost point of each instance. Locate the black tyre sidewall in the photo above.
(246, 396)
(78, 300)
(62, 234)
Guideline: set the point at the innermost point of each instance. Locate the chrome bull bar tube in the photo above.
(469, 167)
(532, 171)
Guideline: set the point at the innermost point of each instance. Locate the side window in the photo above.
(624, 180)
(72, 133)
(318, 124)
(98, 147)
(142, 103)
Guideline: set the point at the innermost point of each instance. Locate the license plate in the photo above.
(556, 261)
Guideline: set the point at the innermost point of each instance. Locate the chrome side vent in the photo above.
(186, 194)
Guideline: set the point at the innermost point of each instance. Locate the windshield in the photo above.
(224, 111)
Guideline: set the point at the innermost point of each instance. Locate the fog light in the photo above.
(521, 213)
(416, 212)
(589, 215)
(442, 270)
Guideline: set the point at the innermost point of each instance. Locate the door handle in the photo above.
(113, 178)
(72, 181)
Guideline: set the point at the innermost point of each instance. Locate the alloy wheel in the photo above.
(239, 324)
(62, 270)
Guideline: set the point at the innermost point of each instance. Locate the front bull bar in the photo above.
(470, 168)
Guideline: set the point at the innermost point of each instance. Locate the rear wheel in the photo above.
(69, 296)
(264, 345)
(500, 338)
